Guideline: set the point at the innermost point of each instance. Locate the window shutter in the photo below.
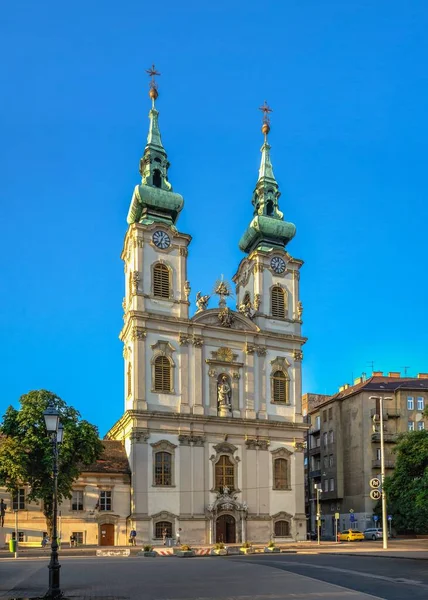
(162, 374)
(279, 387)
(161, 287)
(278, 302)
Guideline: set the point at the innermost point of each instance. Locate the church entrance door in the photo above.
(225, 529)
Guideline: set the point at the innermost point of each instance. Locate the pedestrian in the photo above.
(177, 537)
(164, 532)
(2, 511)
(133, 537)
(45, 541)
(72, 541)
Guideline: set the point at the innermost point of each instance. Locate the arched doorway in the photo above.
(225, 529)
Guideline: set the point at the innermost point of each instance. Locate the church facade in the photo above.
(212, 422)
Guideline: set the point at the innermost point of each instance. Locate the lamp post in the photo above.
(55, 431)
(382, 471)
(319, 491)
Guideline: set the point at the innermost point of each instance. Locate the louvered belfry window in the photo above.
(161, 287)
(280, 381)
(278, 305)
(281, 474)
(162, 374)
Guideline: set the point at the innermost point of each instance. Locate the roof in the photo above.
(376, 383)
(112, 460)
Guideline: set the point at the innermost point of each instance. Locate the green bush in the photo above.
(147, 548)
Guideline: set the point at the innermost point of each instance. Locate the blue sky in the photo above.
(348, 84)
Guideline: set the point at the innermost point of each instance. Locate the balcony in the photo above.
(393, 413)
(388, 438)
(389, 463)
(316, 450)
(314, 474)
(315, 429)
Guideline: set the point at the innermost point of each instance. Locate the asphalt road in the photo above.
(257, 577)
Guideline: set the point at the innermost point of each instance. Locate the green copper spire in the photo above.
(268, 229)
(154, 200)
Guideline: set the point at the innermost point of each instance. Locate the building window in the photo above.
(129, 380)
(105, 500)
(163, 529)
(331, 436)
(377, 453)
(78, 536)
(326, 485)
(162, 382)
(325, 462)
(331, 460)
(280, 387)
(282, 529)
(325, 439)
(18, 499)
(411, 426)
(161, 281)
(410, 405)
(77, 500)
(421, 425)
(421, 403)
(330, 413)
(224, 473)
(317, 422)
(278, 302)
(281, 480)
(163, 468)
(331, 485)
(324, 416)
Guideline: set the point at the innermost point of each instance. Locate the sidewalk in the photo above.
(415, 549)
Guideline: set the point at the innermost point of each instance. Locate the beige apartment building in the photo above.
(343, 445)
(97, 513)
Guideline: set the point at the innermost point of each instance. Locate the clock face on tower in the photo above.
(277, 264)
(161, 240)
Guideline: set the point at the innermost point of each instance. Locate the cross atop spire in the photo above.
(153, 92)
(266, 109)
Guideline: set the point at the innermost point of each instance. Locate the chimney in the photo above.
(344, 387)
(422, 375)
(394, 374)
(358, 380)
(377, 374)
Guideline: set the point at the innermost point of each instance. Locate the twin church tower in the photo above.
(213, 425)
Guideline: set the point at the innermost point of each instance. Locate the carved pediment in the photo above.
(281, 453)
(234, 320)
(225, 448)
(163, 445)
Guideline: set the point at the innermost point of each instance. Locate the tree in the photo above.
(26, 456)
(407, 488)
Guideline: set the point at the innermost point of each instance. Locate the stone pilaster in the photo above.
(138, 337)
(198, 383)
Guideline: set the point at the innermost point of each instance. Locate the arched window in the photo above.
(279, 387)
(269, 208)
(161, 281)
(280, 474)
(157, 179)
(224, 473)
(278, 302)
(129, 380)
(163, 468)
(282, 529)
(162, 378)
(163, 528)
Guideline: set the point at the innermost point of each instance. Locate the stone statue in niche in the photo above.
(246, 309)
(224, 396)
(202, 301)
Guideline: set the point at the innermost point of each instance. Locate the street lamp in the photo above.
(382, 470)
(319, 491)
(55, 431)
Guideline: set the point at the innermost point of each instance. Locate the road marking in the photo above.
(354, 572)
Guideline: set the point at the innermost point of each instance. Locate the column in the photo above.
(248, 410)
(139, 455)
(138, 336)
(263, 391)
(198, 383)
(184, 374)
(297, 384)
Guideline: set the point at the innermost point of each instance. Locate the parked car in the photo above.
(351, 535)
(373, 533)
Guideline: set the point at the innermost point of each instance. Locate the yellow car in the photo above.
(351, 535)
